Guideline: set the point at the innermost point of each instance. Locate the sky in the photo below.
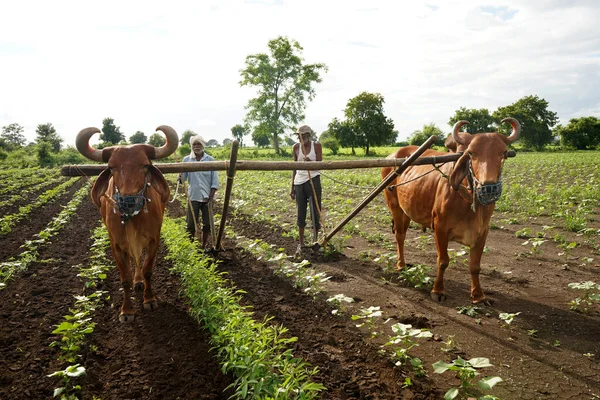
(149, 63)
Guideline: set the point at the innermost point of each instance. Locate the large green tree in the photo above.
(364, 114)
(419, 137)
(535, 118)
(480, 120)
(284, 83)
(46, 133)
(138, 137)
(111, 134)
(239, 131)
(344, 133)
(157, 139)
(260, 136)
(185, 138)
(581, 133)
(12, 137)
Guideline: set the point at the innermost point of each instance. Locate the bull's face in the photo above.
(482, 161)
(129, 169)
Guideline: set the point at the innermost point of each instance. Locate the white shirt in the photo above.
(302, 175)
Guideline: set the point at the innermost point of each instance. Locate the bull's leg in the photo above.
(122, 260)
(150, 302)
(138, 278)
(400, 223)
(477, 295)
(441, 243)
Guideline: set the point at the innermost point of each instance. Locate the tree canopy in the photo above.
(419, 137)
(284, 83)
(111, 134)
(185, 138)
(12, 137)
(157, 139)
(480, 120)
(212, 143)
(366, 124)
(535, 118)
(581, 133)
(239, 131)
(138, 137)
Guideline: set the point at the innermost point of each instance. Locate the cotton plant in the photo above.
(338, 301)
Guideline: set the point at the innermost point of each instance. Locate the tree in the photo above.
(260, 137)
(212, 143)
(239, 131)
(581, 133)
(329, 142)
(479, 120)
(284, 83)
(47, 134)
(111, 134)
(535, 118)
(12, 137)
(185, 139)
(157, 140)
(44, 153)
(226, 141)
(138, 137)
(419, 137)
(344, 133)
(364, 114)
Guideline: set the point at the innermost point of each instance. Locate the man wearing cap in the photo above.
(306, 184)
(202, 188)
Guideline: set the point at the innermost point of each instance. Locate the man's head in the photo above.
(197, 144)
(304, 133)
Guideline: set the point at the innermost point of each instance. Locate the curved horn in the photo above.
(171, 145)
(455, 134)
(82, 142)
(516, 129)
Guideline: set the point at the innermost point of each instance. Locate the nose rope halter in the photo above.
(487, 193)
(130, 206)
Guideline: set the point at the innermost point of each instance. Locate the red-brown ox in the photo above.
(131, 194)
(457, 203)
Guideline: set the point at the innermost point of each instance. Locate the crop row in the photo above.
(25, 178)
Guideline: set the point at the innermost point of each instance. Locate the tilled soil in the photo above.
(548, 352)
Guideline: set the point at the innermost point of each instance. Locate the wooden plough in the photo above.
(233, 165)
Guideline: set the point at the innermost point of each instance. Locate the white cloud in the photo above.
(151, 63)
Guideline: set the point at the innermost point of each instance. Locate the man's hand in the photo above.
(293, 195)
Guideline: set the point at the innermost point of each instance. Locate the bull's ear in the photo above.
(159, 183)
(100, 187)
(460, 171)
(450, 144)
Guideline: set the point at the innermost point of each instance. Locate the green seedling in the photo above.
(68, 391)
(470, 311)
(338, 301)
(591, 295)
(417, 276)
(368, 315)
(508, 317)
(466, 371)
(450, 345)
(403, 342)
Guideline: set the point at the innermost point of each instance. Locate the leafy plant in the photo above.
(470, 310)
(68, 391)
(403, 342)
(416, 275)
(508, 317)
(368, 315)
(466, 371)
(337, 301)
(591, 295)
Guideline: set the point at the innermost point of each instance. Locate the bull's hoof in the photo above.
(126, 317)
(138, 286)
(485, 301)
(439, 297)
(151, 305)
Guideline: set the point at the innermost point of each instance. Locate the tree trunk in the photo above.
(276, 143)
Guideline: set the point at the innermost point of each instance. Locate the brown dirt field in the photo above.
(166, 355)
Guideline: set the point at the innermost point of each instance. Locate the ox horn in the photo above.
(171, 145)
(455, 134)
(516, 129)
(82, 142)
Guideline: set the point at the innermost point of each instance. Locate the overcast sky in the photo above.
(147, 63)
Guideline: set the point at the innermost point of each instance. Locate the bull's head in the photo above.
(482, 160)
(130, 168)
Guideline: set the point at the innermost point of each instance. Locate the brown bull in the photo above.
(131, 194)
(456, 202)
